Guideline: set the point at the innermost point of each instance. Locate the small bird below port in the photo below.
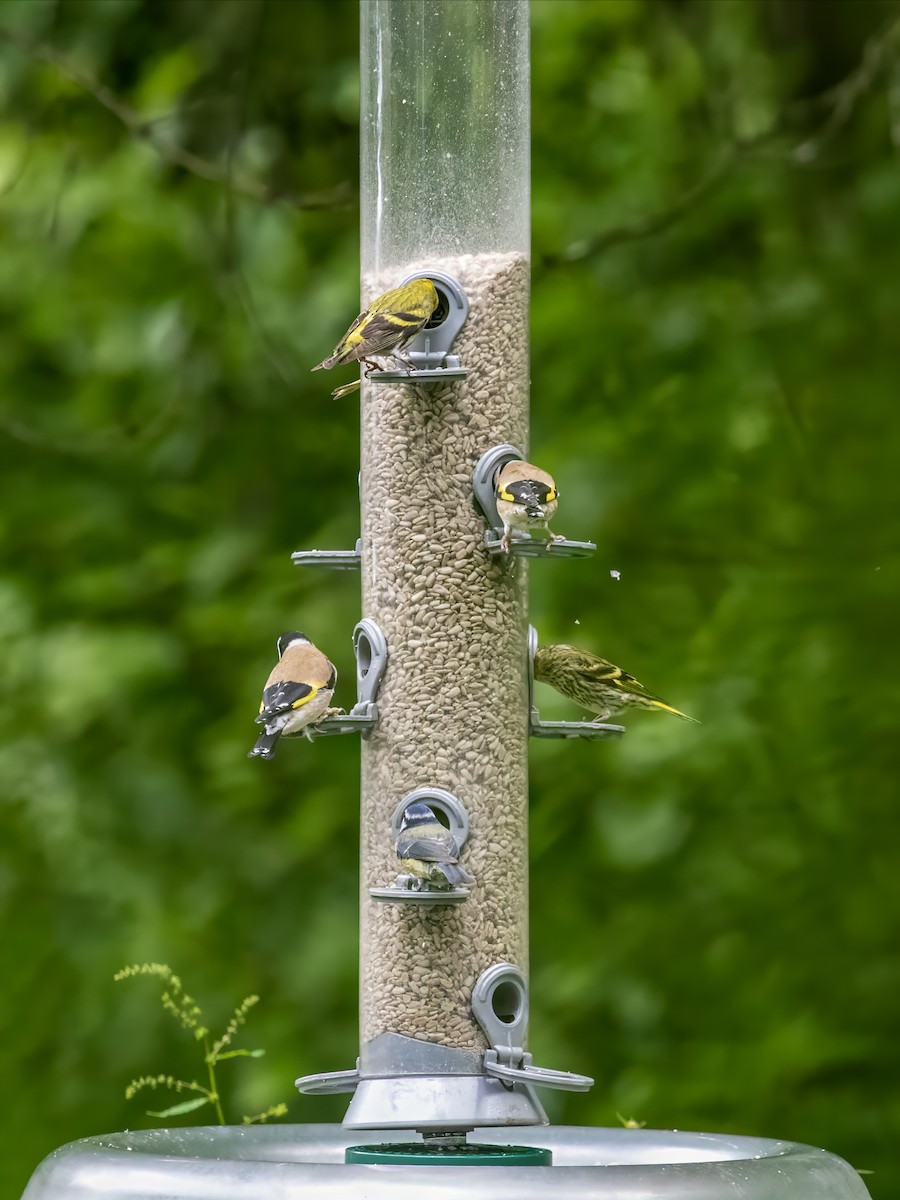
(595, 684)
(428, 852)
(296, 695)
(385, 327)
(526, 499)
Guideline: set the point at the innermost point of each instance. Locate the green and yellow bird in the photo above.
(595, 684)
(386, 325)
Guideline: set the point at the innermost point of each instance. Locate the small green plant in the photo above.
(189, 1015)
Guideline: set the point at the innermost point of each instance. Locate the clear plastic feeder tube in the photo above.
(445, 184)
(444, 131)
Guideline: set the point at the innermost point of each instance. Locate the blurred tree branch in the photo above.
(878, 55)
(170, 152)
(660, 221)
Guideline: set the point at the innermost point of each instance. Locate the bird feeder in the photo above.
(444, 1091)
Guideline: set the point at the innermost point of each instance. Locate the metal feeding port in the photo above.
(370, 648)
(500, 1006)
(523, 545)
(332, 560)
(445, 882)
(429, 352)
(589, 730)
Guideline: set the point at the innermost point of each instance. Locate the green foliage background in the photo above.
(715, 929)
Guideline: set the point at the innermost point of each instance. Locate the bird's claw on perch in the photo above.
(329, 712)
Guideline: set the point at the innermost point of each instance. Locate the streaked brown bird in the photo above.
(297, 693)
(595, 684)
(385, 327)
(527, 500)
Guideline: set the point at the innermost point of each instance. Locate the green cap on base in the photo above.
(464, 1154)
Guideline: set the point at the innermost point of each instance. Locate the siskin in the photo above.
(297, 692)
(594, 683)
(429, 852)
(526, 500)
(386, 325)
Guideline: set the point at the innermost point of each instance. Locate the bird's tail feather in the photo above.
(455, 874)
(678, 713)
(265, 745)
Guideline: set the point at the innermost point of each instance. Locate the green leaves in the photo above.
(188, 1014)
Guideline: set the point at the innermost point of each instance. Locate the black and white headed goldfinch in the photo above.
(526, 500)
(297, 692)
(595, 684)
(385, 326)
(429, 852)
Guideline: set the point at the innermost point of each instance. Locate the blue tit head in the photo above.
(292, 638)
(416, 816)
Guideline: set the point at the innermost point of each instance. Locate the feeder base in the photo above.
(306, 1162)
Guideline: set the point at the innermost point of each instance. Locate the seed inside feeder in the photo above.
(455, 615)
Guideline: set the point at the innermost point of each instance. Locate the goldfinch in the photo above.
(526, 499)
(594, 683)
(429, 852)
(297, 692)
(386, 325)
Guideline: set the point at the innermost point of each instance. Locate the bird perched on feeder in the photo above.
(429, 852)
(595, 684)
(526, 499)
(386, 325)
(297, 692)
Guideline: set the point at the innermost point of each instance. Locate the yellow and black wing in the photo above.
(281, 697)
(598, 670)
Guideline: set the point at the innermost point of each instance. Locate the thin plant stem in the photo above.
(213, 1090)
